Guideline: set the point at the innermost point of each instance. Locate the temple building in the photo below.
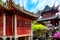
(15, 24)
(49, 16)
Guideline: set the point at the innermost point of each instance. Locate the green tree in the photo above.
(17, 5)
(38, 29)
(1, 3)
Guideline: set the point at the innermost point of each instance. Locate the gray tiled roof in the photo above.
(42, 19)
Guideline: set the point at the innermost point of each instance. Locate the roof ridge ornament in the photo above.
(10, 4)
(57, 7)
(53, 6)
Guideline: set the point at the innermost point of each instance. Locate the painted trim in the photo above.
(31, 32)
(15, 25)
(4, 25)
(23, 35)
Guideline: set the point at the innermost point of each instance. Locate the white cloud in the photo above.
(25, 3)
(4, 1)
(39, 6)
(56, 3)
(51, 3)
(21, 3)
(34, 1)
(59, 8)
(41, 3)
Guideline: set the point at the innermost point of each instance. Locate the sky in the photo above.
(35, 5)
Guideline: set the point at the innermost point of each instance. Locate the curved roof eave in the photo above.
(43, 19)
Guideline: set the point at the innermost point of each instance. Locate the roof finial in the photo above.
(57, 6)
(53, 5)
(10, 4)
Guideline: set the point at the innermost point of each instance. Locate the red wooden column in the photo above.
(4, 26)
(15, 25)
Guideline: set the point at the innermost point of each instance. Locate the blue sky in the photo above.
(35, 5)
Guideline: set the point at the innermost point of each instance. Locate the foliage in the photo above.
(38, 29)
(37, 26)
(1, 3)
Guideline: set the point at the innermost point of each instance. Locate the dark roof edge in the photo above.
(47, 18)
(25, 12)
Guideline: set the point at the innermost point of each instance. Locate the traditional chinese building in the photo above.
(48, 15)
(15, 24)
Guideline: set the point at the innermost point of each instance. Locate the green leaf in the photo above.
(38, 27)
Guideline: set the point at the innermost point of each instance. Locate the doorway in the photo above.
(1, 38)
(8, 39)
(21, 38)
(13, 38)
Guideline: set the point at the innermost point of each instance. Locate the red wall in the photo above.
(1, 25)
(23, 25)
(9, 25)
(48, 14)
